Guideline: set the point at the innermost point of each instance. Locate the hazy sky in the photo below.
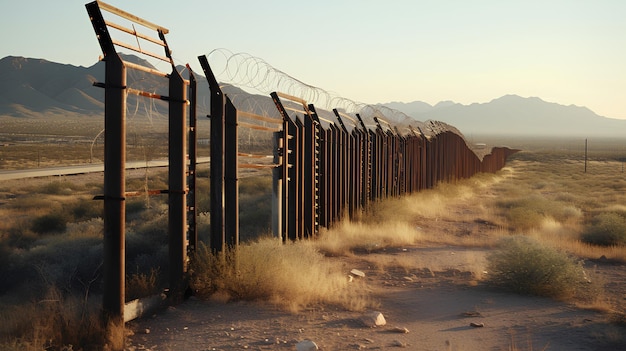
(569, 52)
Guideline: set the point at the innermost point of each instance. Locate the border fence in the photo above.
(325, 169)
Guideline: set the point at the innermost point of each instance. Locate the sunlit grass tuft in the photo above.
(292, 276)
(347, 237)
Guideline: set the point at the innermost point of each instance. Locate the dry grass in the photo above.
(292, 276)
(347, 237)
(54, 322)
(544, 197)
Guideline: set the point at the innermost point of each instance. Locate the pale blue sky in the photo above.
(569, 52)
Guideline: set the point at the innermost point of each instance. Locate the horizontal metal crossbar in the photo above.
(146, 69)
(257, 127)
(134, 32)
(291, 97)
(356, 123)
(241, 154)
(139, 50)
(151, 95)
(256, 166)
(149, 192)
(114, 10)
(325, 120)
(258, 117)
(296, 110)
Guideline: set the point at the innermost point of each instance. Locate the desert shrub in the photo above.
(255, 207)
(529, 211)
(155, 182)
(147, 235)
(70, 263)
(55, 222)
(203, 201)
(141, 284)
(52, 323)
(86, 209)
(27, 204)
(92, 228)
(523, 266)
(606, 229)
(293, 275)
(524, 218)
(56, 188)
(135, 206)
(20, 235)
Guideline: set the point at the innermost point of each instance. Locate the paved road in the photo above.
(80, 169)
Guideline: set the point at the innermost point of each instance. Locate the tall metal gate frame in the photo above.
(181, 196)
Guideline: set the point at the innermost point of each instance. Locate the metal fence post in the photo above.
(231, 185)
(114, 188)
(217, 237)
(193, 158)
(177, 195)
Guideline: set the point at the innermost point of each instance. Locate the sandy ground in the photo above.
(436, 300)
(435, 305)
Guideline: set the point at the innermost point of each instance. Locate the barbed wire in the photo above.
(253, 73)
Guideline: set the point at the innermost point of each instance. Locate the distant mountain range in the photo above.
(36, 88)
(515, 115)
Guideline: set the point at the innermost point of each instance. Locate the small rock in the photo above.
(373, 319)
(147, 331)
(402, 330)
(477, 325)
(398, 343)
(357, 273)
(306, 345)
(408, 279)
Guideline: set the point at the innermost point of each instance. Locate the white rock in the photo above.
(401, 330)
(357, 273)
(306, 345)
(373, 319)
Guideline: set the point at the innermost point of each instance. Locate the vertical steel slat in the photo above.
(177, 194)
(291, 199)
(217, 237)
(323, 178)
(231, 176)
(332, 174)
(375, 162)
(285, 175)
(310, 178)
(299, 178)
(192, 213)
(341, 173)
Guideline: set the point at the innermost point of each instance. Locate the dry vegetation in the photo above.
(50, 243)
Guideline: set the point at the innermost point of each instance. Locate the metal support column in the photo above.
(114, 188)
(218, 237)
(193, 158)
(231, 185)
(177, 195)
(114, 171)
